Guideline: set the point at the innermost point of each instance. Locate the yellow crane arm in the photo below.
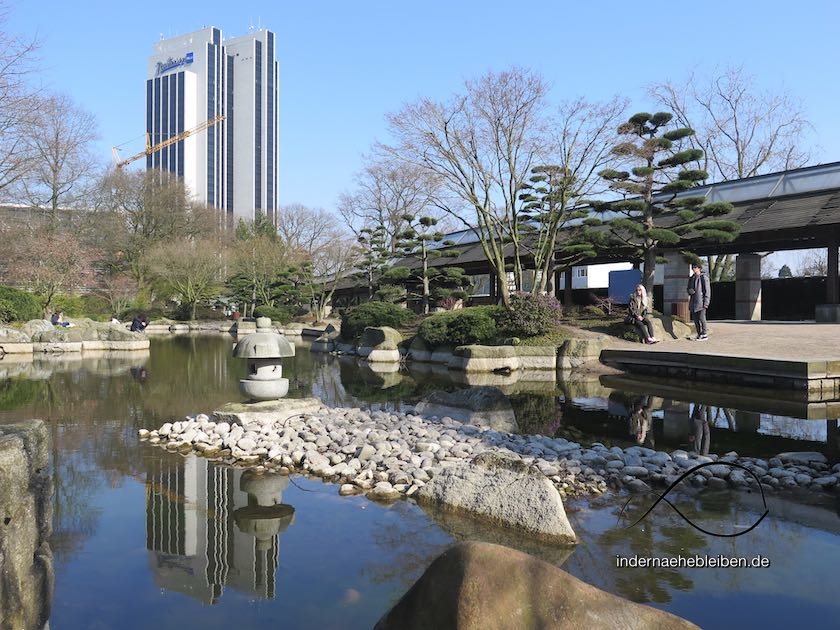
(150, 148)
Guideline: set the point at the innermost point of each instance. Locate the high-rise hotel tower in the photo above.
(195, 78)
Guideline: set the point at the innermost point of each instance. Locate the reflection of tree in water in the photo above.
(15, 393)
(536, 414)
(75, 480)
(409, 542)
(387, 390)
(657, 535)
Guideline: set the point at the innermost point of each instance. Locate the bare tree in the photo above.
(17, 64)
(135, 211)
(812, 262)
(387, 190)
(742, 130)
(326, 267)
(480, 144)
(47, 262)
(321, 249)
(118, 289)
(583, 138)
(303, 229)
(59, 135)
(190, 270)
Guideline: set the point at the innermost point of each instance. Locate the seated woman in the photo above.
(640, 315)
(640, 421)
(57, 319)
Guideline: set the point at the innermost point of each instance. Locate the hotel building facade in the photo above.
(231, 165)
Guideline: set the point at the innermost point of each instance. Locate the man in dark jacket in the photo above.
(700, 294)
(139, 323)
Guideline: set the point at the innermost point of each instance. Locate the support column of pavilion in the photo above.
(830, 311)
(674, 295)
(748, 286)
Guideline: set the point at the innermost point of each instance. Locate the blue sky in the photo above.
(345, 65)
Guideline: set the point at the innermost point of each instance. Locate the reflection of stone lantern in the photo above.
(266, 515)
(264, 349)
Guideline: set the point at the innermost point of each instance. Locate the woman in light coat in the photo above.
(640, 314)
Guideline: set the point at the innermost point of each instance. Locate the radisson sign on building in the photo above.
(169, 64)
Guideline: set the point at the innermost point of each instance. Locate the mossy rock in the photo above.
(380, 338)
(475, 351)
(536, 351)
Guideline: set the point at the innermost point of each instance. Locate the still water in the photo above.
(147, 539)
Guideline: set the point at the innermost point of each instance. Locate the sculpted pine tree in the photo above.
(418, 241)
(549, 207)
(655, 209)
(743, 130)
(373, 255)
(552, 215)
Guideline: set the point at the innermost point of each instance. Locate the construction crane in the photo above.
(154, 148)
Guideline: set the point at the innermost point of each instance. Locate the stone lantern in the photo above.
(264, 349)
(266, 515)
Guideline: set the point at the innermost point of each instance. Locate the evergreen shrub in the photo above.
(281, 314)
(355, 320)
(70, 305)
(529, 315)
(460, 327)
(17, 305)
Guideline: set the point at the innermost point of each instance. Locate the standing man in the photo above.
(700, 293)
(700, 437)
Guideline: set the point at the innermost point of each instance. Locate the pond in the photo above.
(145, 538)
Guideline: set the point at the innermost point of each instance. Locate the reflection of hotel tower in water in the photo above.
(194, 78)
(208, 527)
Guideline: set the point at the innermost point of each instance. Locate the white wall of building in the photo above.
(593, 276)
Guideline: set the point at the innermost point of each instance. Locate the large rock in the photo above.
(26, 565)
(503, 491)
(380, 343)
(13, 341)
(57, 339)
(537, 357)
(483, 406)
(419, 350)
(326, 341)
(37, 325)
(266, 412)
(462, 527)
(107, 336)
(665, 327)
(478, 358)
(12, 335)
(578, 352)
(477, 585)
(802, 457)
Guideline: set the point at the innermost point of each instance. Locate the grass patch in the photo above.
(554, 337)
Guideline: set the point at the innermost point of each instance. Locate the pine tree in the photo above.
(374, 255)
(653, 212)
(418, 241)
(551, 204)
